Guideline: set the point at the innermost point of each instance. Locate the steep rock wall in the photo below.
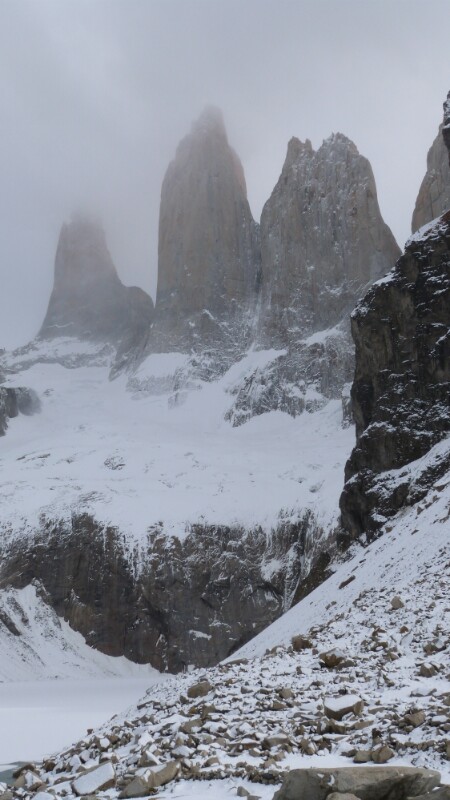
(401, 391)
(178, 602)
(434, 193)
(208, 253)
(323, 239)
(88, 299)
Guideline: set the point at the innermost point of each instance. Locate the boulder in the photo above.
(367, 783)
(339, 707)
(200, 689)
(94, 780)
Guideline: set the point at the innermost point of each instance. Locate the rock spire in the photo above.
(88, 298)
(208, 258)
(323, 238)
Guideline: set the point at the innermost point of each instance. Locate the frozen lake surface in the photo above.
(40, 717)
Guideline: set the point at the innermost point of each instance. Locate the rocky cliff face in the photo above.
(434, 194)
(88, 299)
(446, 125)
(323, 239)
(401, 390)
(208, 262)
(179, 602)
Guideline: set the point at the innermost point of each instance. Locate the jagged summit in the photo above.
(208, 241)
(88, 298)
(210, 121)
(323, 238)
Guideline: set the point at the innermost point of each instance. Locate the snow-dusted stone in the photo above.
(338, 707)
(334, 659)
(367, 783)
(415, 719)
(397, 603)
(362, 756)
(102, 777)
(151, 779)
(200, 689)
(28, 779)
(382, 754)
(300, 643)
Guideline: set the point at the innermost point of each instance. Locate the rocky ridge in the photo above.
(402, 381)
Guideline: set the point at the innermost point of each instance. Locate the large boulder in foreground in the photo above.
(88, 300)
(365, 783)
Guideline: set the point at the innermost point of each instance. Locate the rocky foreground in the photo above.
(357, 673)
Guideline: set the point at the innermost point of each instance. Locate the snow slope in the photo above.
(133, 457)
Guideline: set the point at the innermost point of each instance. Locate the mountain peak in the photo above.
(88, 298)
(210, 121)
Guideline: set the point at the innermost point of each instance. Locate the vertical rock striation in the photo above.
(401, 391)
(208, 257)
(323, 239)
(434, 193)
(88, 298)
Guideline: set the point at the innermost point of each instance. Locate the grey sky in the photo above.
(95, 95)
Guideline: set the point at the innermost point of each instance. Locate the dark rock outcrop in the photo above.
(88, 300)
(446, 125)
(16, 401)
(401, 391)
(208, 253)
(174, 603)
(434, 193)
(323, 239)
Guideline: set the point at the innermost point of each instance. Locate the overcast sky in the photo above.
(96, 94)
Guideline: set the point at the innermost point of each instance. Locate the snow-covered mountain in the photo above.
(174, 512)
(170, 504)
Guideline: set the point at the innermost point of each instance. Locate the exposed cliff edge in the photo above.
(401, 391)
(208, 252)
(434, 193)
(88, 300)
